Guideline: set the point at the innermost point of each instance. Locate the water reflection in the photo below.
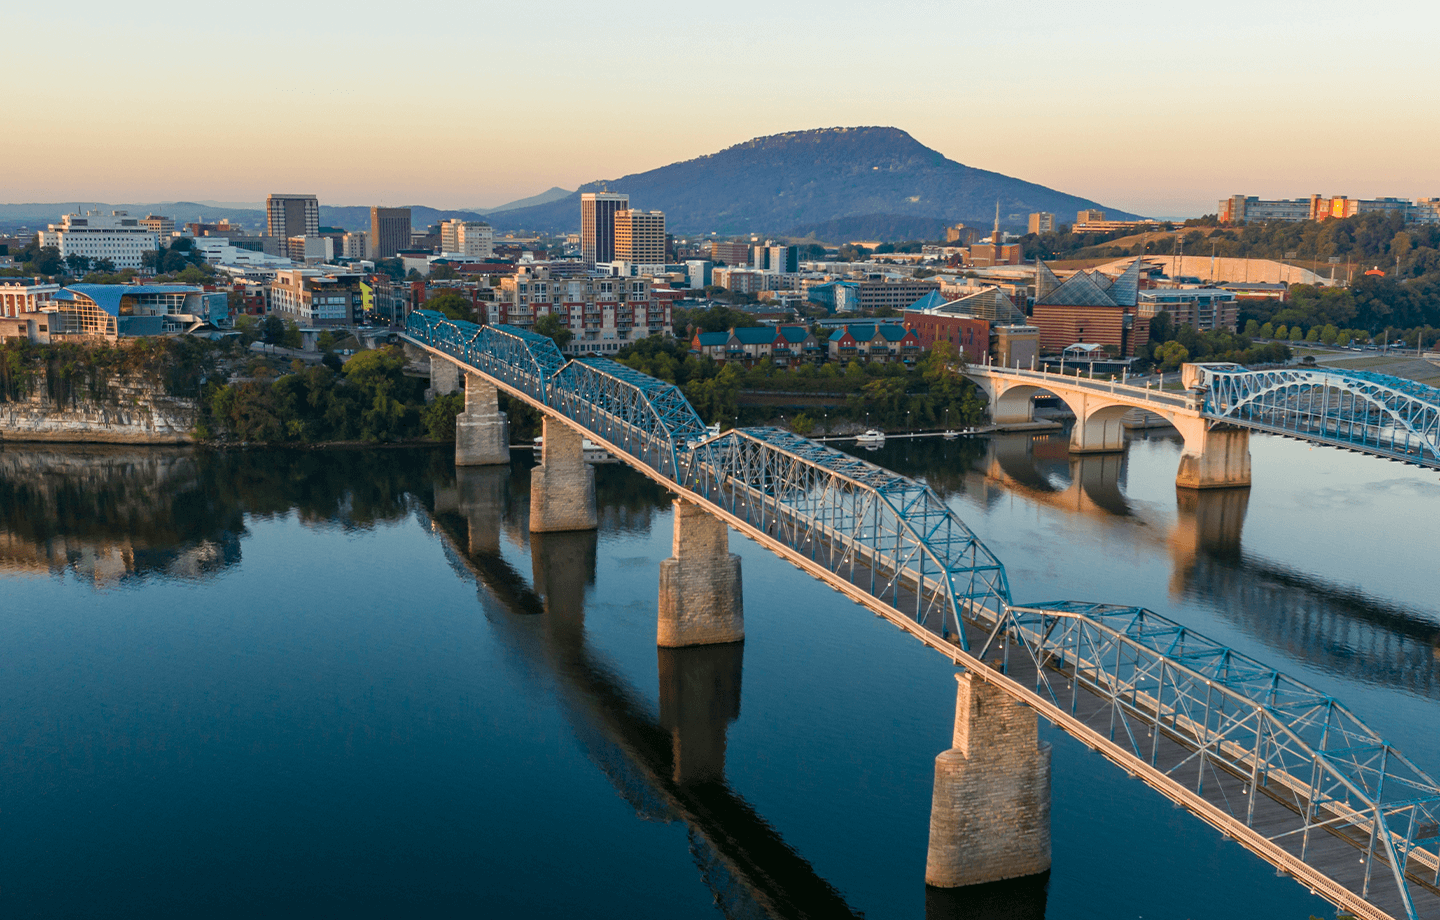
(668, 769)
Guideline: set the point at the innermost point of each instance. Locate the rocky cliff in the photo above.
(132, 411)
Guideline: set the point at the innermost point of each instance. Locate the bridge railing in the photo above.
(1280, 738)
(1128, 391)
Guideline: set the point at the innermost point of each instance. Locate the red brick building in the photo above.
(969, 335)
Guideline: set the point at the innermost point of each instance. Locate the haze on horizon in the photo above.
(1147, 108)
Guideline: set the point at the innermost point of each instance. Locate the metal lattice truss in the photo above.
(1373, 413)
(1260, 751)
(1282, 768)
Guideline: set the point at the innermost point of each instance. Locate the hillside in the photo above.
(797, 180)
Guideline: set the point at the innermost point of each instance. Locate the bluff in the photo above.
(873, 179)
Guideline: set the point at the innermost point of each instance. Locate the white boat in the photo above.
(594, 453)
(950, 435)
(873, 437)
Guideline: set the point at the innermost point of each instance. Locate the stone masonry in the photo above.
(562, 487)
(482, 433)
(700, 598)
(444, 376)
(990, 815)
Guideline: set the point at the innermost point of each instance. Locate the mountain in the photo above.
(554, 193)
(790, 181)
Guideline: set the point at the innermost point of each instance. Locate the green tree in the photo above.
(1296, 334)
(1171, 355)
(1282, 331)
(1329, 334)
(1343, 338)
(1252, 328)
(1313, 335)
(273, 330)
(438, 418)
(1267, 331)
(453, 304)
(551, 325)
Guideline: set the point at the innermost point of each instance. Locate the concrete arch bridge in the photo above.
(1368, 413)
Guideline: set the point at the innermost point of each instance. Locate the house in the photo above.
(789, 345)
(875, 342)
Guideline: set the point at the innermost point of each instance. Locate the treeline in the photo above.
(1171, 346)
(179, 261)
(68, 372)
(368, 399)
(932, 394)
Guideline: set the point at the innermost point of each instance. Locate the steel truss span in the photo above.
(1373, 413)
(1284, 770)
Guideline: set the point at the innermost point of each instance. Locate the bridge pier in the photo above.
(1100, 430)
(444, 377)
(990, 814)
(700, 598)
(562, 487)
(699, 698)
(1213, 458)
(482, 432)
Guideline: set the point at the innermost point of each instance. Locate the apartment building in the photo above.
(1041, 222)
(162, 227)
(115, 236)
(736, 254)
(1238, 208)
(604, 314)
(472, 239)
(355, 245)
(315, 298)
(1205, 308)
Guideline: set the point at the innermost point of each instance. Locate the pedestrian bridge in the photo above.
(1282, 769)
(1368, 413)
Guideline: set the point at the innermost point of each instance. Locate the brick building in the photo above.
(1090, 308)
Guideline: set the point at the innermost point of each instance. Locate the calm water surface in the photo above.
(352, 684)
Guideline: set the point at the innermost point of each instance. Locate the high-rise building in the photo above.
(640, 237)
(783, 259)
(473, 239)
(292, 215)
(354, 245)
(735, 254)
(162, 227)
(1042, 222)
(597, 225)
(389, 232)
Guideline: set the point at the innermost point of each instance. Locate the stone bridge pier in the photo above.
(481, 493)
(482, 432)
(700, 598)
(562, 487)
(990, 814)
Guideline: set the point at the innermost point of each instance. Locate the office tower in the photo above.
(1042, 222)
(116, 237)
(640, 237)
(389, 232)
(292, 215)
(597, 225)
(473, 239)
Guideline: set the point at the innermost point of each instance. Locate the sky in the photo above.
(1154, 108)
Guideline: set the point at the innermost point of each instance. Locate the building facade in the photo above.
(734, 254)
(1239, 208)
(969, 335)
(389, 232)
(604, 314)
(116, 236)
(883, 342)
(292, 215)
(640, 237)
(1090, 308)
(473, 239)
(1041, 222)
(355, 245)
(1207, 309)
(597, 225)
(162, 227)
(314, 298)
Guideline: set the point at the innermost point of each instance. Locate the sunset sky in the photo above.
(1139, 106)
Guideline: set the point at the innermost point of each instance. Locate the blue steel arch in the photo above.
(892, 544)
(1374, 413)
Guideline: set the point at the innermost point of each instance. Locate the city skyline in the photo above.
(1166, 112)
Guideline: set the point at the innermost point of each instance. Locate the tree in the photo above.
(551, 325)
(1267, 331)
(1329, 335)
(1296, 335)
(77, 264)
(1313, 335)
(1282, 331)
(1171, 355)
(1252, 328)
(273, 330)
(1162, 327)
(453, 304)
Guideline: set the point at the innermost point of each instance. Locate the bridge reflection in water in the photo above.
(669, 766)
(1336, 629)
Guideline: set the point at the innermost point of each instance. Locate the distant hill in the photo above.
(554, 193)
(808, 178)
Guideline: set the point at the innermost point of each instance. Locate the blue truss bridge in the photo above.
(1284, 770)
(1357, 410)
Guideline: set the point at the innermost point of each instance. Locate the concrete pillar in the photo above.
(1013, 406)
(563, 566)
(444, 376)
(562, 487)
(481, 493)
(699, 698)
(1214, 458)
(1098, 431)
(700, 598)
(990, 815)
(482, 433)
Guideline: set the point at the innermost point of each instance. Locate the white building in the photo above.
(115, 236)
(356, 245)
(472, 239)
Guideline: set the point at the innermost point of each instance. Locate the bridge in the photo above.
(1369, 413)
(1279, 767)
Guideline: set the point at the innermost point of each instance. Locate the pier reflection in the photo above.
(668, 768)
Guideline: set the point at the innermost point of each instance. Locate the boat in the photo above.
(594, 453)
(950, 434)
(873, 437)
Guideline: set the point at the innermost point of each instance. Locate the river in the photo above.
(350, 683)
